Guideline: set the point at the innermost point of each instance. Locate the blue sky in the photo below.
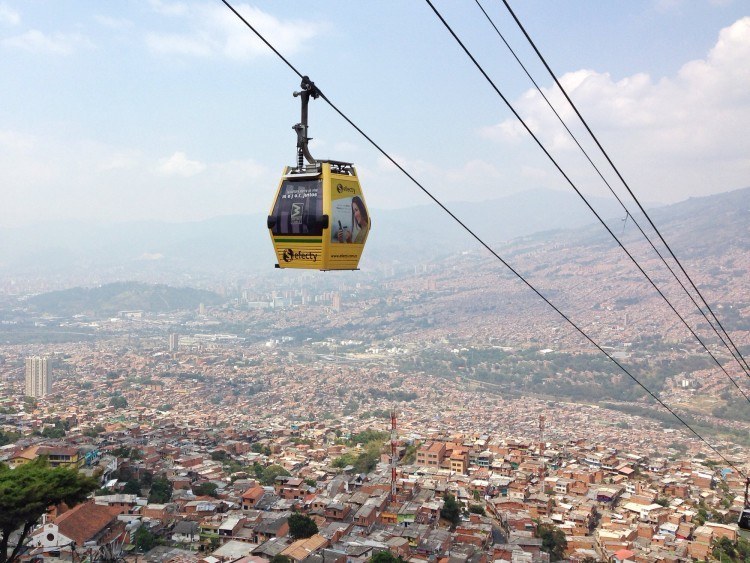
(130, 110)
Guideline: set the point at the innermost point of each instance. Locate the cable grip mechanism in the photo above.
(303, 152)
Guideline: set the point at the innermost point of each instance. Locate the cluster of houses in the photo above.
(610, 505)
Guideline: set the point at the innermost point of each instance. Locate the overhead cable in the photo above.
(492, 251)
(739, 357)
(583, 198)
(734, 352)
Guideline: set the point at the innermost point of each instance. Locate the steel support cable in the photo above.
(494, 253)
(622, 204)
(739, 356)
(583, 198)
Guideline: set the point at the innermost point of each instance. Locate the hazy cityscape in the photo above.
(286, 283)
(362, 399)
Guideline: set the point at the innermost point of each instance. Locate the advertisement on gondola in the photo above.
(298, 207)
(350, 220)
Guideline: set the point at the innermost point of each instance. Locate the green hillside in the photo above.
(122, 296)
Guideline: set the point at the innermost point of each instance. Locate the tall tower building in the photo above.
(174, 342)
(38, 378)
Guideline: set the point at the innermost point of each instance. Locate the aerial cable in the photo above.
(583, 197)
(495, 254)
(744, 368)
(739, 356)
(276, 52)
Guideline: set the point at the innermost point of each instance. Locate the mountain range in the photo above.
(232, 246)
(240, 243)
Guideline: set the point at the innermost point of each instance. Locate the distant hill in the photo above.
(232, 246)
(114, 297)
(240, 245)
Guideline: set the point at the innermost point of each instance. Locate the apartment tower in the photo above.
(38, 379)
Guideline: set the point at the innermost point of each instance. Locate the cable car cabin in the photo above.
(319, 220)
(744, 521)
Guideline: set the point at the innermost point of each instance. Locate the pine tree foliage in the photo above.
(27, 491)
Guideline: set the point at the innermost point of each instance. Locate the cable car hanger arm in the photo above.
(308, 89)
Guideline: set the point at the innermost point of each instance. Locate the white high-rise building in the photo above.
(38, 378)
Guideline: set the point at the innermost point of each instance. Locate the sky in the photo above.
(168, 110)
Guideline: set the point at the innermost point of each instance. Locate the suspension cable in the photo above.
(622, 204)
(580, 194)
(494, 253)
(739, 357)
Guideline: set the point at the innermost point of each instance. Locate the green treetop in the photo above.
(27, 491)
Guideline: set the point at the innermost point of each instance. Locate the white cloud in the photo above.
(668, 5)
(175, 44)
(416, 167)
(168, 8)
(113, 23)
(179, 165)
(62, 177)
(14, 142)
(507, 130)
(9, 16)
(683, 133)
(121, 160)
(58, 43)
(216, 31)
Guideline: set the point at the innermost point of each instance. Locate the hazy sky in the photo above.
(173, 110)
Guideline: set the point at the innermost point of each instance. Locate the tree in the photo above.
(132, 487)
(301, 526)
(55, 432)
(27, 491)
(385, 557)
(553, 541)
(147, 478)
(94, 432)
(220, 455)
(271, 472)
(280, 559)
(144, 539)
(451, 511)
(8, 437)
(161, 490)
(205, 489)
(119, 402)
(477, 509)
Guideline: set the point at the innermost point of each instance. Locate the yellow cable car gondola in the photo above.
(319, 219)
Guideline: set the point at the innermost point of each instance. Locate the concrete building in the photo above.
(38, 378)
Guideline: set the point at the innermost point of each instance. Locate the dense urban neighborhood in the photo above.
(207, 448)
(430, 412)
